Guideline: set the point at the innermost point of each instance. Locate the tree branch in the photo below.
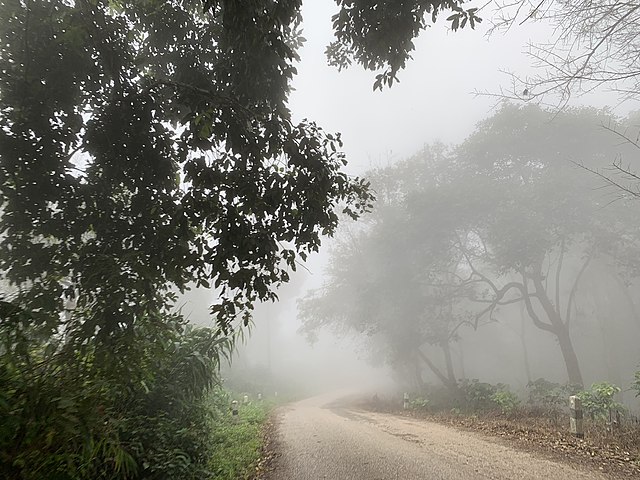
(434, 369)
(532, 314)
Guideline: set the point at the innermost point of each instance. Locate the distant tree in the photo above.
(527, 223)
(593, 46)
(383, 283)
(505, 218)
(621, 176)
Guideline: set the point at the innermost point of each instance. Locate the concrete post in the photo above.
(245, 399)
(234, 408)
(259, 397)
(405, 401)
(575, 412)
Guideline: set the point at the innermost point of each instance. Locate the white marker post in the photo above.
(234, 408)
(405, 402)
(245, 399)
(575, 412)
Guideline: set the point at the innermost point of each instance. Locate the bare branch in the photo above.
(594, 44)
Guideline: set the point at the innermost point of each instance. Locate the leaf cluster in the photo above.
(598, 402)
(379, 35)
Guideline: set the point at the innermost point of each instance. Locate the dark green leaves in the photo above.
(101, 194)
(379, 35)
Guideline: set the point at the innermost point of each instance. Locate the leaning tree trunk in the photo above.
(559, 328)
(523, 342)
(445, 379)
(570, 357)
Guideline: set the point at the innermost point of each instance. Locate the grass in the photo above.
(238, 441)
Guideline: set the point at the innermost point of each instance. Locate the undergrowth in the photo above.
(237, 440)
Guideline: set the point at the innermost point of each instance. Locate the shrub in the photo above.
(478, 395)
(599, 401)
(636, 383)
(419, 403)
(63, 414)
(546, 394)
(506, 400)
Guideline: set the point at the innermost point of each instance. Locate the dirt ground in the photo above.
(613, 451)
(313, 439)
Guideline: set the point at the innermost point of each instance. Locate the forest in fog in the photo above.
(204, 214)
(504, 258)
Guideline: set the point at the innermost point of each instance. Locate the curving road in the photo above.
(317, 439)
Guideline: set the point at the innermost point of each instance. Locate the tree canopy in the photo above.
(507, 217)
(147, 147)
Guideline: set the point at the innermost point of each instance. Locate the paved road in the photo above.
(320, 440)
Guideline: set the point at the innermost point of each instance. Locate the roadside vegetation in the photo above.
(238, 440)
(537, 418)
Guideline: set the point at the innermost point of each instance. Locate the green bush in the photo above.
(549, 395)
(478, 395)
(419, 403)
(636, 383)
(65, 416)
(506, 400)
(599, 401)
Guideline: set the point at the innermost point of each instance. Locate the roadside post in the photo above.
(405, 402)
(234, 409)
(245, 399)
(575, 412)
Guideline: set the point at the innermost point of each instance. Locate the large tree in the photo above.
(506, 218)
(400, 291)
(147, 146)
(527, 221)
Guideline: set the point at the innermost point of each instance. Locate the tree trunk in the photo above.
(625, 292)
(448, 362)
(417, 374)
(523, 341)
(444, 379)
(561, 331)
(570, 357)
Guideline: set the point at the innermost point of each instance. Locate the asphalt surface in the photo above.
(320, 439)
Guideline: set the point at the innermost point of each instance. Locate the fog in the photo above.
(347, 208)
(421, 123)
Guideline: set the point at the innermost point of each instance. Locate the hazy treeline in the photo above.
(501, 258)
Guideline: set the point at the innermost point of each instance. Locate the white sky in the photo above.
(434, 99)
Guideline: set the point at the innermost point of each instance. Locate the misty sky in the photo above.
(434, 99)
